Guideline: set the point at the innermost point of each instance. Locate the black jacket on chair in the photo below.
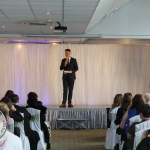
(72, 65)
(33, 136)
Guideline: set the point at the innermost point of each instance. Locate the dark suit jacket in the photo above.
(71, 66)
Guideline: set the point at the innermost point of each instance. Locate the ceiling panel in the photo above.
(45, 0)
(46, 8)
(80, 8)
(47, 3)
(80, 4)
(43, 12)
(24, 12)
(12, 3)
(77, 13)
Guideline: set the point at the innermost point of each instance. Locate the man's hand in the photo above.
(66, 62)
(70, 71)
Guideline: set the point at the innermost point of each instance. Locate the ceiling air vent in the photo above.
(38, 23)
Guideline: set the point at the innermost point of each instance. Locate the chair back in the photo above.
(136, 118)
(110, 140)
(10, 125)
(24, 138)
(113, 115)
(139, 129)
(36, 126)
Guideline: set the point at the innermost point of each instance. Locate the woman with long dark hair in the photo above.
(116, 103)
(126, 104)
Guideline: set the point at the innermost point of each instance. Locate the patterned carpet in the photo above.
(92, 139)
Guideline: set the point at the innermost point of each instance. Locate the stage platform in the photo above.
(96, 114)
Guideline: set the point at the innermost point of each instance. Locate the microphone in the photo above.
(66, 61)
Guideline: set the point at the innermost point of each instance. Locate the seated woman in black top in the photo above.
(126, 103)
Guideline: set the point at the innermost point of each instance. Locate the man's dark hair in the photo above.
(14, 98)
(32, 99)
(145, 110)
(9, 93)
(68, 50)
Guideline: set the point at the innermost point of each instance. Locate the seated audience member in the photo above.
(33, 136)
(147, 98)
(33, 103)
(13, 113)
(10, 142)
(137, 102)
(116, 103)
(145, 143)
(9, 93)
(145, 115)
(126, 103)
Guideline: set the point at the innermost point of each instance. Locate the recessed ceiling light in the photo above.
(3, 26)
(116, 8)
(51, 27)
(48, 12)
(49, 20)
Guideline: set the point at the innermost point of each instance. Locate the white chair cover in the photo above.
(35, 125)
(24, 138)
(136, 118)
(10, 125)
(139, 129)
(111, 140)
(113, 114)
(49, 127)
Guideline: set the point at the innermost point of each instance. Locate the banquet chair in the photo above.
(35, 125)
(136, 118)
(139, 129)
(10, 125)
(110, 140)
(24, 138)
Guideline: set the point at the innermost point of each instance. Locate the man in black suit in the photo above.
(69, 66)
(33, 136)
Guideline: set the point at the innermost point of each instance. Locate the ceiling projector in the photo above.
(60, 29)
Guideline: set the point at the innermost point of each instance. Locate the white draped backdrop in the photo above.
(104, 71)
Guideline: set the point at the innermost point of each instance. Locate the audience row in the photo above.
(9, 106)
(127, 107)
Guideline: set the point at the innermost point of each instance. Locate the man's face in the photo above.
(67, 54)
